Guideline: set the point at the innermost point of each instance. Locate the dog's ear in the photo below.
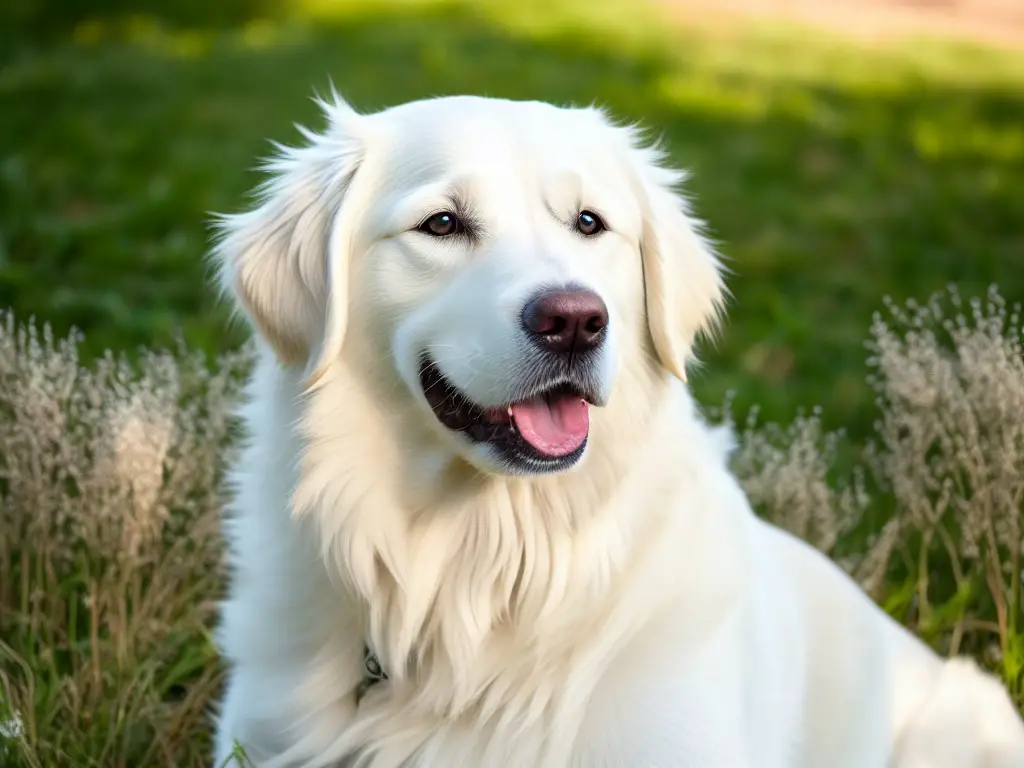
(285, 261)
(683, 276)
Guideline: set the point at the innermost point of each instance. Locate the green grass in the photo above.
(832, 175)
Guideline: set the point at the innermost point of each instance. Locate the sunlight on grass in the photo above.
(831, 173)
(935, 140)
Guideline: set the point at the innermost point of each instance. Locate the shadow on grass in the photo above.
(830, 181)
(51, 19)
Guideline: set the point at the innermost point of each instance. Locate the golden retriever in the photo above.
(479, 520)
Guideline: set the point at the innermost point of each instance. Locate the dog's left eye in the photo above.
(589, 224)
(442, 225)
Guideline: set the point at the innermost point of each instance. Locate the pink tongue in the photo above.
(554, 427)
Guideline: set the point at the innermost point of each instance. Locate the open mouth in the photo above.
(548, 429)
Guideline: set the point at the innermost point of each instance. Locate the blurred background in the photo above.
(842, 150)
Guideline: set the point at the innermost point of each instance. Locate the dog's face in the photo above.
(504, 249)
(508, 261)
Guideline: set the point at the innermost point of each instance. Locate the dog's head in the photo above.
(509, 263)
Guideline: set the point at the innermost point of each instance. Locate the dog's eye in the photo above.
(442, 225)
(589, 224)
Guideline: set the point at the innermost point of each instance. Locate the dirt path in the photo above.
(996, 22)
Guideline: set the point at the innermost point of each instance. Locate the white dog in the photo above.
(479, 521)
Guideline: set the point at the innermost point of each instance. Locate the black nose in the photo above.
(566, 322)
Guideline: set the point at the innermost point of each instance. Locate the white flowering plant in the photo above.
(111, 485)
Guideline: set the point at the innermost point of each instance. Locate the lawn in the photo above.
(832, 175)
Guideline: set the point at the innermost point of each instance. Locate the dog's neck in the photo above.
(449, 569)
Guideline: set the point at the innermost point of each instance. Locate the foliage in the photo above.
(110, 554)
(947, 465)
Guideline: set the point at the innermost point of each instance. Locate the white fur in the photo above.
(630, 611)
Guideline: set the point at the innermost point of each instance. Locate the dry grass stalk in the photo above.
(950, 384)
(950, 461)
(109, 556)
(785, 471)
(789, 473)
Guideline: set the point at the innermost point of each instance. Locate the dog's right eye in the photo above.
(442, 225)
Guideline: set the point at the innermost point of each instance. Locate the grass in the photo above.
(832, 175)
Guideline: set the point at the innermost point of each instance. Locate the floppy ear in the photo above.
(683, 285)
(285, 262)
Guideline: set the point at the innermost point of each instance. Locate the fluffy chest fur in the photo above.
(495, 614)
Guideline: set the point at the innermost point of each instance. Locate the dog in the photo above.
(479, 519)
